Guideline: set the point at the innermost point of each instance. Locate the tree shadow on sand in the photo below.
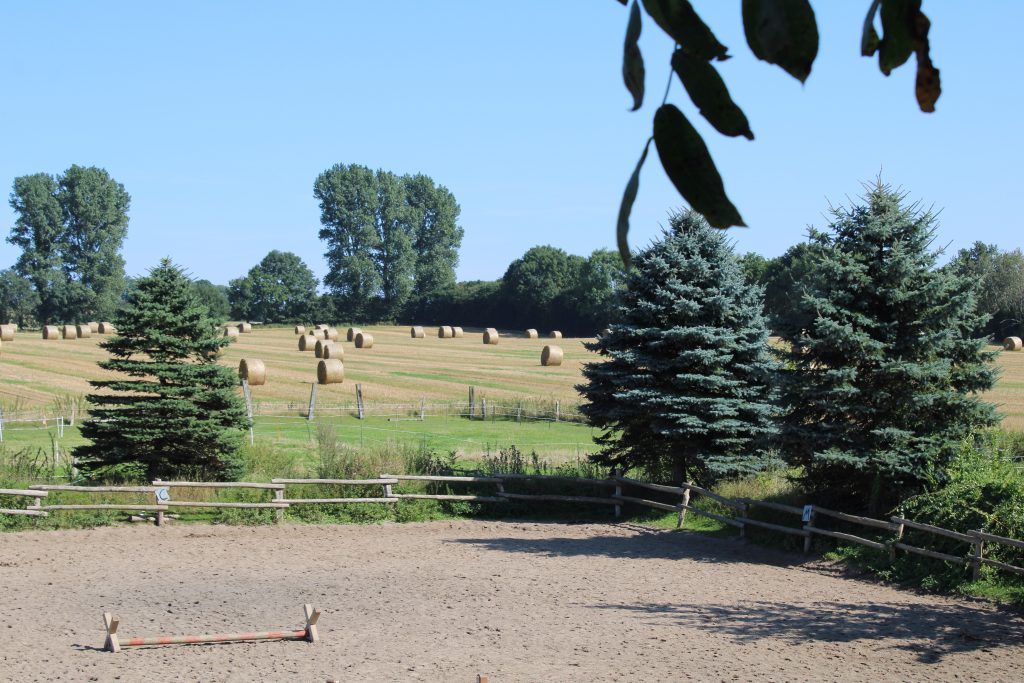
(646, 543)
(930, 631)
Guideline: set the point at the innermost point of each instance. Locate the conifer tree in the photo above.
(683, 389)
(177, 412)
(883, 371)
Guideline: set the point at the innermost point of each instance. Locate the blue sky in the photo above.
(217, 118)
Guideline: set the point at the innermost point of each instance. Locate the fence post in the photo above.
(278, 512)
(618, 491)
(808, 522)
(743, 525)
(472, 400)
(60, 427)
(483, 409)
(897, 539)
(1, 425)
(519, 412)
(312, 400)
(558, 409)
(682, 509)
(423, 409)
(359, 403)
(978, 546)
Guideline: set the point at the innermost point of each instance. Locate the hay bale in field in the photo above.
(253, 371)
(551, 355)
(416, 332)
(445, 332)
(1013, 344)
(321, 326)
(555, 334)
(330, 371)
(332, 334)
(490, 336)
(231, 331)
(350, 335)
(94, 327)
(83, 331)
(457, 332)
(300, 329)
(245, 328)
(319, 348)
(364, 340)
(532, 334)
(106, 328)
(51, 332)
(69, 332)
(333, 350)
(307, 342)
(7, 333)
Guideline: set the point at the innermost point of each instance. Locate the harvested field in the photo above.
(447, 600)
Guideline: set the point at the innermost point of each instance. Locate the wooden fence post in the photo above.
(899, 537)
(519, 412)
(978, 547)
(618, 491)
(743, 517)
(1, 425)
(279, 512)
(809, 522)
(312, 400)
(359, 402)
(682, 509)
(423, 409)
(558, 409)
(472, 400)
(483, 408)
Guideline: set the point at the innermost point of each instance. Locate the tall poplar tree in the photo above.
(683, 386)
(175, 412)
(883, 372)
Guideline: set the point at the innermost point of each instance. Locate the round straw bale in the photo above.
(555, 334)
(307, 342)
(253, 371)
(332, 334)
(416, 332)
(445, 332)
(333, 350)
(319, 348)
(457, 332)
(551, 355)
(230, 331)
(330, 371)
(1013, 344)
(300, 329)
(94, 327)
(532, 333)
(6, 332)
(490, 336)
(321, 326)
(83, 331)
(106, 328)
(364, 340)
(15, 326)
(350, 335)
(51, 332)
(69, 332)
(245, 328)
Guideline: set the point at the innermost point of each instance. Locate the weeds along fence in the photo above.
(884, 536)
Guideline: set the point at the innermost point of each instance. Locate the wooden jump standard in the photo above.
(308, 633)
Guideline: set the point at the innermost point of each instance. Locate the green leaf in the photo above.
(707, 90)
(782, 32)
(898, 27)
(869, 38)
(690, 168)
(628, 197)
(680, 21)
(632, 60)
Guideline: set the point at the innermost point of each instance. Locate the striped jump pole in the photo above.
(308, 633)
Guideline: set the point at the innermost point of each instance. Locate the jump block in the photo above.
(308, 633)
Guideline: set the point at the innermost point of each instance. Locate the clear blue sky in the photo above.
(217, 117)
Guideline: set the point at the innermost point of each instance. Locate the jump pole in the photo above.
(308, 633)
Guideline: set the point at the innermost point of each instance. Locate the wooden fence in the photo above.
(806, 518)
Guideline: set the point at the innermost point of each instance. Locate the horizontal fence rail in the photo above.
(380, 490)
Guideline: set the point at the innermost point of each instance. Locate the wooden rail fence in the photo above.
(807, 516)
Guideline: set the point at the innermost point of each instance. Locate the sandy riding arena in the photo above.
(446, 601)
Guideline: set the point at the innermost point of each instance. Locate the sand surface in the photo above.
(445, 601)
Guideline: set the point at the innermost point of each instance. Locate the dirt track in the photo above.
(445, 601)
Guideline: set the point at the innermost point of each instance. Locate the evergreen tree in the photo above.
(883, 370)
(684, 387)
(177, 412)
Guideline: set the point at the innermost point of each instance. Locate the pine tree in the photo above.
(684, 389)
(883, 372)
(178, 412)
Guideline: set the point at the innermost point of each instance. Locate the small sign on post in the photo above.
(163, 494)
(808, 511)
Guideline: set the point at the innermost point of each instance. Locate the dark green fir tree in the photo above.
(176, 412)
(883, 372)
(682, 390)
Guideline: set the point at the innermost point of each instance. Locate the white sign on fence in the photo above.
(808, 511)
(163, 494)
